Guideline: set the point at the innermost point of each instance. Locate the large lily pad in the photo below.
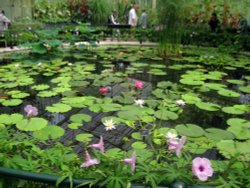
(233, 110)
(58, 108)
(245, 89)
(12, 102)
(139, 145)
(239, 127)
(85, 137)
(49, 132)
(218, 134)
(190, 130)
(228, 93)
(79, 118)
(208, 106)
(166, 115)
(32, 124)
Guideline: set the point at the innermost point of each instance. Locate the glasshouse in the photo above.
(125, 93)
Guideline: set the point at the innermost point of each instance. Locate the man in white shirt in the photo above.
(132, 19)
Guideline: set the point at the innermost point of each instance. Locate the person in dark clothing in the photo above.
(214, 23)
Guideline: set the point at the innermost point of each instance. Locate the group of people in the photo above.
(239, 24)
(133, 20)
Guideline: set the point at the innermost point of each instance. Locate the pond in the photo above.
(131, 97)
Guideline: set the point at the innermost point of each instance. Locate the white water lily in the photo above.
(181, 102)
(171, 135)
(70, 64)
(17, 65)
(39, 64)
(109, 125)
(140, 102)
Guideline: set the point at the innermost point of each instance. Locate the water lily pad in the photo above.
(32, 124)
(166, 115)
(137, 136)
(191, 98)
(20, 95)
(189, 81)
(218, 134)
(85, 137)
(138, 145)
(12, 102)
(190, 130)
(215, 86)
(47, 94)
(231, 149)
(238, 82)
(58, 108)
(49, 132)
(208, 106)
(239, 127)
(75, 125)
(233, 110)
(79, 118)
(245, 89)
(228, 93)
(40, 87)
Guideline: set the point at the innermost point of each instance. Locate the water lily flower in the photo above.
(70, 64)
(175, 145)
(17, 65)
(99, 146)
(172, 135)
(181, 103)
(138, 84)
(39, 64)
(89, 161)
(104, 90)
(201, 167)
(109, 125)
(131, 161)
(139, 102)
(31, 110)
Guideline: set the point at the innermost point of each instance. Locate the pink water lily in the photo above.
(104, 90)
(89, 161)
(99, 145)
(138, 84)
(202, 168)
(175, 145)
(31, 110)
(131, 161)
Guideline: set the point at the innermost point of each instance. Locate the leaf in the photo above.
(139, 145)
(166, 115)
(79, 118)
(228, 93)
(58, 108)
(218, 134)
(48, 132)
(191, 98)
(12, 102)
(85, 137)
(190, 130)
(208, 106)
(239, 127)
(245, 89)
(32, 124)
(40, 87)
(233, 110)
(74, 125)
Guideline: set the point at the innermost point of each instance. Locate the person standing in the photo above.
(113, 18)
(144, 19)
(4, 21)
(132, 19)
